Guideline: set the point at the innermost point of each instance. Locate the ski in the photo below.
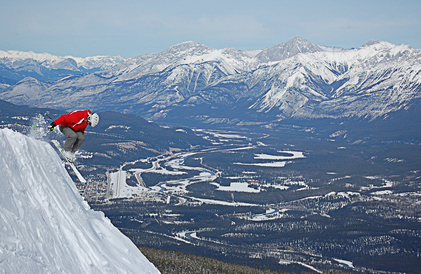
(69, 161)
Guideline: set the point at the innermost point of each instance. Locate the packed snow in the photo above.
(46, 226)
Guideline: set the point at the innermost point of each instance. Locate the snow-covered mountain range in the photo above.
(296, 79)
(16, 65)
(17, 59)
(47, 227)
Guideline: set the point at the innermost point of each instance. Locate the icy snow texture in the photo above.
(46, 226)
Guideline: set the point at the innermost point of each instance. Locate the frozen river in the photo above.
(174, 165)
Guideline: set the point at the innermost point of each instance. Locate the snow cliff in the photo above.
(46, 226)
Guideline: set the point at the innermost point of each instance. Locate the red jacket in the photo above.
(76, 120)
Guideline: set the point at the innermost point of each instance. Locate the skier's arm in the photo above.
(60, 119)
(56, 122)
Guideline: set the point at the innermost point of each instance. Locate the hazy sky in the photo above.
(131, 28)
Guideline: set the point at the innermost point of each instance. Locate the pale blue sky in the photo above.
(131, 28)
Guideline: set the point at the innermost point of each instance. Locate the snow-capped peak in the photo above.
(188, 53)
(188, 45)
(22, 55)
(286, 50)
(379, 44)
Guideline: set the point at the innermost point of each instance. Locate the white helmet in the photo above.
(93, 118)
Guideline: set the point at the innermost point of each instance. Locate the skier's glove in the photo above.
(51, 126)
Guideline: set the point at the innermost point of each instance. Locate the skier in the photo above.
(73, 126)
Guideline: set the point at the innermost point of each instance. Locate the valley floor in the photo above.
(331, 204)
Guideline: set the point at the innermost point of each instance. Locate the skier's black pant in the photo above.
(74, 139)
